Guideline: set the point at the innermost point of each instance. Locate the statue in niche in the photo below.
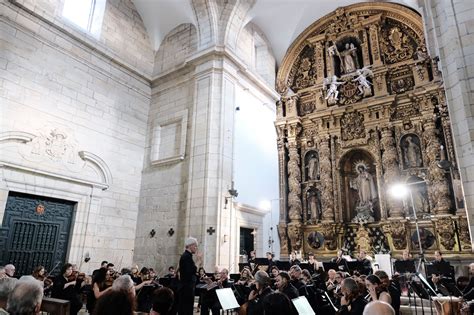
(349, 58)
(365, 186)
(314, 206)
(313, 167)
(420, 199)
(411, 152)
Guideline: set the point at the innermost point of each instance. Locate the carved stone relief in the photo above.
(446, 232)
(352, 126)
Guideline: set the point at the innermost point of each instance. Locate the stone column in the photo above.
(438, 188)
(327, 194)
(392, 171)
(280, 128)
(294, 194)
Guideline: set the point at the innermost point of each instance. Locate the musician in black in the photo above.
(352, 303)
(209, 299)
(340, 261)
(295, 274)
(293, 259)
(258, 293)
(284, 285)
(187, 278)
(366, 264)
(441, 270)
(270, 262)
(468, 292)
(393, 289)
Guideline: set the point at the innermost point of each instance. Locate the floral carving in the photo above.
(463, 231)
(352, 126)
(306, 70)
(398, 44)
(327, 196)
(283, 239)
(445, 231)
(398, 231)
(330, 237)
(295, 234)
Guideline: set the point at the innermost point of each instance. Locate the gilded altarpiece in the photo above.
(362, 108)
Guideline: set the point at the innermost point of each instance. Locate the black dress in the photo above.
(70, 293)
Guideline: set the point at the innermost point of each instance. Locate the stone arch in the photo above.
(177, 45)
(350, 197)
(205, 13)
(235, 22)
(404, 15)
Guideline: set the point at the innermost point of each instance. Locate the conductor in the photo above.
(187, 278)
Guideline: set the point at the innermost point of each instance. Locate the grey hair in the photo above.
(262, 278)
(351, 285)
(6, 286)
(122, 283)
(378, 307)
(25, 297)
(190, 241)
(9, 267)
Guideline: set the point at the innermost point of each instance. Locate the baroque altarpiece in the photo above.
(362, 108)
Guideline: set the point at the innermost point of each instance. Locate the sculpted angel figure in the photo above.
(333, 84)
(361, 78)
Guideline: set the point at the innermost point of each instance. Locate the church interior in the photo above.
(291, 127)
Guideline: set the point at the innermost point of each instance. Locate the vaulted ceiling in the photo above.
(281, 20)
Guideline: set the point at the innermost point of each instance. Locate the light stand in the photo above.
(400, 191)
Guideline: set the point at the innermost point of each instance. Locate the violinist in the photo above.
(101, 283)
(377, 292)
(209, 299)
(136, 275)
(39, 273)
(312, 263)
(340, 261)
(67, 290)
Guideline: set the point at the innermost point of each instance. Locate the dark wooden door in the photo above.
(35, 231)
(246, 241)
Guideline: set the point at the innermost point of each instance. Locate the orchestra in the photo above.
(327, 291)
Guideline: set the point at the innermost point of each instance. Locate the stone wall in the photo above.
(96, 108)
(450, 25)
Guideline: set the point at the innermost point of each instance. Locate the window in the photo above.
(87, 14)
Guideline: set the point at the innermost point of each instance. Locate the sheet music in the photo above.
(302, 306)
(227, 299)
(384, 262)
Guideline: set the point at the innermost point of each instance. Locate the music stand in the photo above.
(405, 266)
(439, 269)
(419, 290)
(243, 265)
(166, 282)
(283, 265)
(426, 284)
(355, 266)
(330, 265)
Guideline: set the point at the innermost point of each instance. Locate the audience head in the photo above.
(10, 270)
(331, 274)
(277, 303)
(438, 255)
(162, 301)
(191, 245)
(115, 303)
(26, 297)
(262, 279)
(124, 283)
(282, 280)
(379, 308)
(6, 286)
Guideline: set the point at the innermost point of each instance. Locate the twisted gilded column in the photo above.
(327, 194)
(438, 188)
(392, 171)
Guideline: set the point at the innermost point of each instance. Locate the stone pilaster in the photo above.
(327, 194)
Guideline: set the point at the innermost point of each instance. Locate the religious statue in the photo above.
(363, 83)
(313, 167)
(365, 186)
(348, 58)
(333, 85)
(313, 207)
(412, 153)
